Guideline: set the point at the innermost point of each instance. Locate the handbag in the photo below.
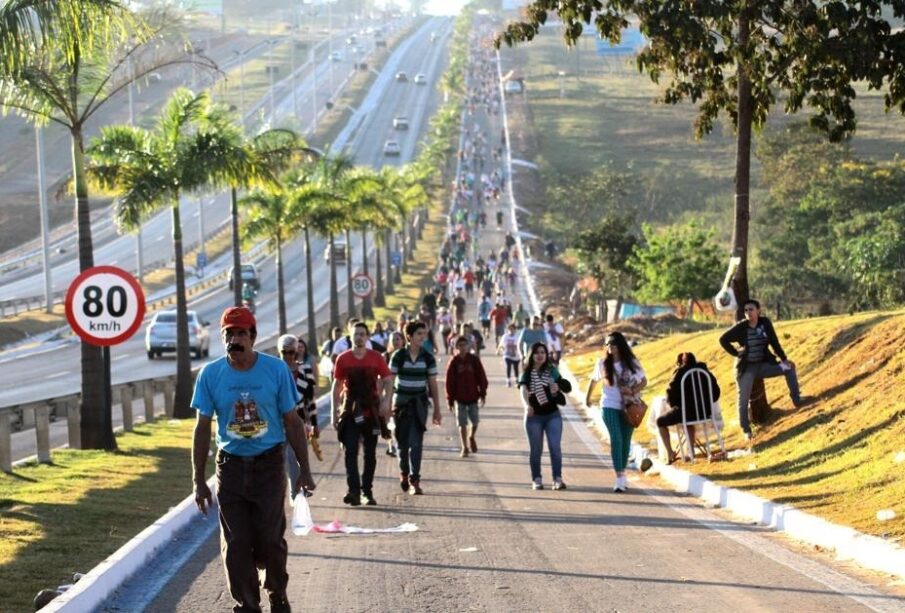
(634, 412)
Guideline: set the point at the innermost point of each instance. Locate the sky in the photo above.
(444, 7)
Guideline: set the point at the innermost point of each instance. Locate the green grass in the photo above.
(609, 117)
(836, 457)
(68, 516)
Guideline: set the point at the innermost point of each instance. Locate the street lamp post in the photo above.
(45, 225)
(312, 59)
(270, 69)
(139, 251)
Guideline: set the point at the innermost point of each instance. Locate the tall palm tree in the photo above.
(192, 147)
(60, 62)
(270, 216)
(271, 151)
(366, 199)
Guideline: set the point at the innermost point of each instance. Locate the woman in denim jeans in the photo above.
(539, 384)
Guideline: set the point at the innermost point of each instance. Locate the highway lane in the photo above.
(55, 370)
(112, 248)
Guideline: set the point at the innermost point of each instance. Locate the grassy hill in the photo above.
(843, 456)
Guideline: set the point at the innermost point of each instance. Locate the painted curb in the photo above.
(867, 551)
(96, 586)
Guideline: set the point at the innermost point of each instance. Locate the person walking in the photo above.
(540, 385)
(416, 376)
(500, 317)
(750, 341)
(623, 378)
(466, 391)
(508, 348)
(253, 397)
(531, 335)
(555, 333)
(294, 352)
(360, 397)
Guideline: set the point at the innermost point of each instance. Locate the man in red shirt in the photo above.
(469, 282)
(358, 402)
(466, 389)
(500, 317)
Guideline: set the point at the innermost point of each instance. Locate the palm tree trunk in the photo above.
(350, 298)
(183, 397)
(334, 292)
(403, 235)
(388, 245)
(94, 434)
(379, 298)
(309, 280)
(237, 255)
(281, 295)
(367, 310)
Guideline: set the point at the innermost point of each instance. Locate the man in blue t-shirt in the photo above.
(252, 396)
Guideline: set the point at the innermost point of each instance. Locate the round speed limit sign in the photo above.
(362, 285)
(105, 305)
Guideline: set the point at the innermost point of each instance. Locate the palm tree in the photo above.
(60, 62)
(193, 146)
(271, 151)
(366, 199)
(270, 216)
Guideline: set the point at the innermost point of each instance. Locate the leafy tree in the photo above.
(60, 62)
(575, 199)
(677, 263)
(737, 57)
(873, 254)
(604, 250)
(192, 147)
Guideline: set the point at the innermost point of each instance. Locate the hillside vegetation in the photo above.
(841, 457)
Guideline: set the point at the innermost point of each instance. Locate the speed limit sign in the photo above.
(362, 285)
(105, 305)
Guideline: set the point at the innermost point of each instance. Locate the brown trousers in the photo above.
(251, 492)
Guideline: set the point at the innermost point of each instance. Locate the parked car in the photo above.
(420, 79)
(249, 277)
(160, 335)
(401, 122)
(336, 56)
(391, 147)
(380, 43)
(339, 248)
(513, 87)
(402, 77)
(352, 40)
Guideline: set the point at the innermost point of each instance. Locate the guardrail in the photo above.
(40, 414)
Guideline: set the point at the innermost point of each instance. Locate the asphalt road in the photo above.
(53, 369)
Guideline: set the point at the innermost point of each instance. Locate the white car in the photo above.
(160, 335)
(336, 56)
(391, 147)
(513, 87)
(401, 122)
(402, 77)
(420, 79)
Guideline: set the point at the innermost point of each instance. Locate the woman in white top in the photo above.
(622, 378)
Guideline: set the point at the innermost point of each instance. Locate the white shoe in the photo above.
(537, 485)
(621, 485)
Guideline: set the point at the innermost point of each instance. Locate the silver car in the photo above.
(160, 335)
(391, 147)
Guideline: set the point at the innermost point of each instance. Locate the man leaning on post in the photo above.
(252, 396)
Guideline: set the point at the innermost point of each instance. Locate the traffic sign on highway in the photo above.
(105, 305)
(362, 285)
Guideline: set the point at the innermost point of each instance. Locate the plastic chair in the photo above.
(701, 396)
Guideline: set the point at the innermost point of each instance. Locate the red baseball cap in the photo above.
(237, 317)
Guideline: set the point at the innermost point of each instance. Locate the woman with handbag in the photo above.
(542, 393)
(623, 379)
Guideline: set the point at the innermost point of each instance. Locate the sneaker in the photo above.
(404, 483)
(367, 498)
(353, 500)
(537, 484)
(624, 483)
(559, 484)
(280, 604)
(749, 437)
(415, 489)
(463, 453)
(802, 401)
(474, 445)
(508, 382)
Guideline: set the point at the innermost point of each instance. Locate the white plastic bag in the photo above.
(301, 516)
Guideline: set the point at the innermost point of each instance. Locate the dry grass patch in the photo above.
(836, 457)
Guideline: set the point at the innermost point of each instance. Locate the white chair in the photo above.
(701, 390)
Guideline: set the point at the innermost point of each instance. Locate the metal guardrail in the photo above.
(40, 414)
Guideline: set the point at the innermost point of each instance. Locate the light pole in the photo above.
(139, 251)
(330, 42)
(45, 225)
(270, 68)
(312, 59)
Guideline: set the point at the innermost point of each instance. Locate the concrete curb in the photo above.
(867, 551)
(95, 587)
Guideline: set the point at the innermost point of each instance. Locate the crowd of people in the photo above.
(384, 380)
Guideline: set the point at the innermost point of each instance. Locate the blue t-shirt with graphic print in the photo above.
(249, 404)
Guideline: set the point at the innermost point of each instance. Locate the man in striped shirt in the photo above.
(415, 371)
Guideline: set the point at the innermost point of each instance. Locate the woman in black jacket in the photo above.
(697, 406)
